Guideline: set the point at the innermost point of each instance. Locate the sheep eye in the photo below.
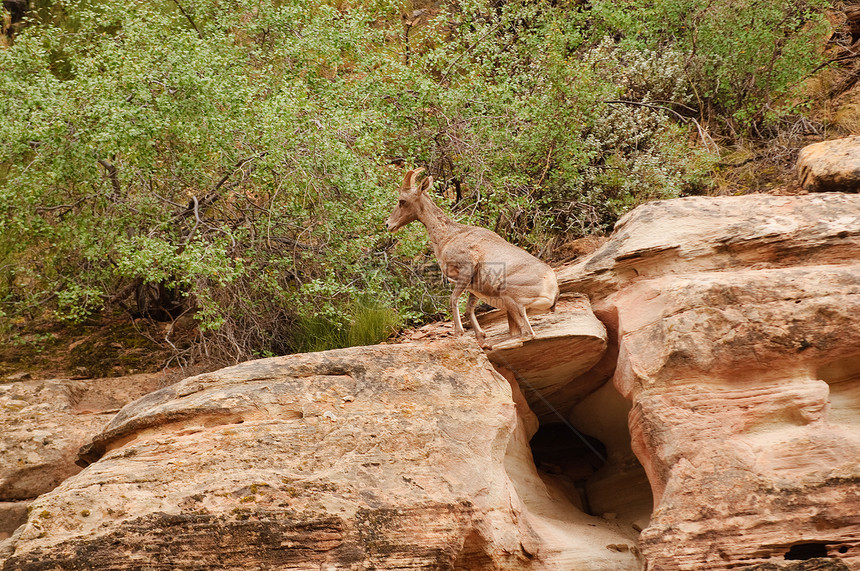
(402, 202)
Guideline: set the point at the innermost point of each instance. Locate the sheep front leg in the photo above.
(470, 312)
(518, 324)
(459, 288)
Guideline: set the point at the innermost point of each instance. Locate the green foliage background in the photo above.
(245, 155)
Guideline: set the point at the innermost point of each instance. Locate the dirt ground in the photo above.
(106, 346)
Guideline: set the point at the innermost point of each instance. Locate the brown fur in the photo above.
(479, 261)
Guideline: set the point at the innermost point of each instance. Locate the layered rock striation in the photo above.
(734, 321)
(406, 456)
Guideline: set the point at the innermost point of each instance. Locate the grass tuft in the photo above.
(366, 324)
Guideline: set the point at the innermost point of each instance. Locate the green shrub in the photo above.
(242, 156)
(743, 59)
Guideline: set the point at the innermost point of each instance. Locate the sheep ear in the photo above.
(426, 184)
(409, 179)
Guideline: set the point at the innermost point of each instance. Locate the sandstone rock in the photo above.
(393, 456)
(814, 564)
(701, 234)
(44, 423)
(567, 343)
(621, 485)
(830, 166)
(734, 412)
(12, 516)
(734, 322)
(728, 373)
(565, 363)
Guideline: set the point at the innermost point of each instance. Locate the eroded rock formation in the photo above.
(734, 321)
(398, 456)
(567, 344)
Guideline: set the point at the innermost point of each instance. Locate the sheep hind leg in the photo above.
(513, 325)
(525, 333)
(529, 332)
(518, 322)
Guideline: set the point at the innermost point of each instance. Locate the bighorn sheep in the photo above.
(479, 261)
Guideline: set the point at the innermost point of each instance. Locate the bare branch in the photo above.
(464, 52)
(188, 17)
(112, 175)
(548, 163)
(194, 229)
(294, 243)
(211, 197)
(67, 207)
